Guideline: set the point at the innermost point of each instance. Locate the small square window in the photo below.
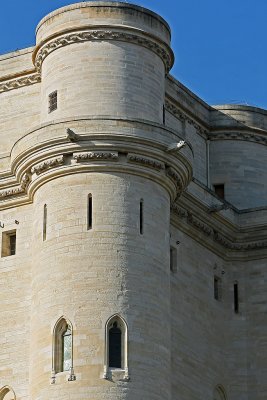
(219, 190)
(52, 101)
(8, 243)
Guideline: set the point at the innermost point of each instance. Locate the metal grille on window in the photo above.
(52, 99)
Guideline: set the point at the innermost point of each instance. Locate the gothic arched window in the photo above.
(116, 353)
(62, 352)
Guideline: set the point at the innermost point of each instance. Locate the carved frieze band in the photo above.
(239, 246)
(47, 164)
(214, 235)
(146, 161)
(12, 84)
(95, 155)
(160, 49)
(21, 189)
(171, 173)
(173, 109)
(201, 226)
(249, 137)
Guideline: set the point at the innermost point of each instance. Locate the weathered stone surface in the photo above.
(111, 137)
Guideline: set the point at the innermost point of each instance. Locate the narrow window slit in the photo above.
(90, 212)
(141, 217)
(236, 300)
(164, 114)
(44, 222)
(173, 259)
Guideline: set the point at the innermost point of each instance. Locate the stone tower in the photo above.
(132, 220)
(101, 149)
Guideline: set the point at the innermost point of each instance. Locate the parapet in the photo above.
(232, 115)
(103, 13)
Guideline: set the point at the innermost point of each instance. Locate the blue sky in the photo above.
(219, 45)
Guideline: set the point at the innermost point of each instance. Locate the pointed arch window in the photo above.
(116, 346)
(63, 348)
(7, 393)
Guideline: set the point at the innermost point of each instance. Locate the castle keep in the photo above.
(133, 220)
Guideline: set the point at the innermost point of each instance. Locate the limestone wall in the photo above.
(90, 275)
(113, 133)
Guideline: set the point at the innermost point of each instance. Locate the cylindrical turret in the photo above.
(89, 275)
(103, 59)
(103, 176)
(237, 149)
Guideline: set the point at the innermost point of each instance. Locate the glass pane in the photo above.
(67, 350)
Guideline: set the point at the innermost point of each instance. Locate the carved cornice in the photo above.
(201, 226)
(17, 83)
(261, 244)
(21, 189)
(147, 162)
(161, 49)
(47, 164)
(179, 211)
(175, 177)
(213, 236)
(95, 155)
(174, 109)
(248, 137)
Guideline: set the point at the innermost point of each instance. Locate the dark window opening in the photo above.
(173, 259)
(236, 300)
(52, 102)
(115, 350)
(44, 222)
(90, 212)
(8, 244)
(217, 288)
(219, 190)
(141, 217)
(164, 114)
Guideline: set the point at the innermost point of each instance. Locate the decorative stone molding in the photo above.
(181, 212)
(170, 172)
(12, 84)
(173, 109)
(95, 155)
(11, 192)
(201, 226)
(53, 378)
(21, 189)
(239, 246)
(72, 376)
(147, 162)
(214, 235)
(159, 48)
(249, 137)
(47, 164)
